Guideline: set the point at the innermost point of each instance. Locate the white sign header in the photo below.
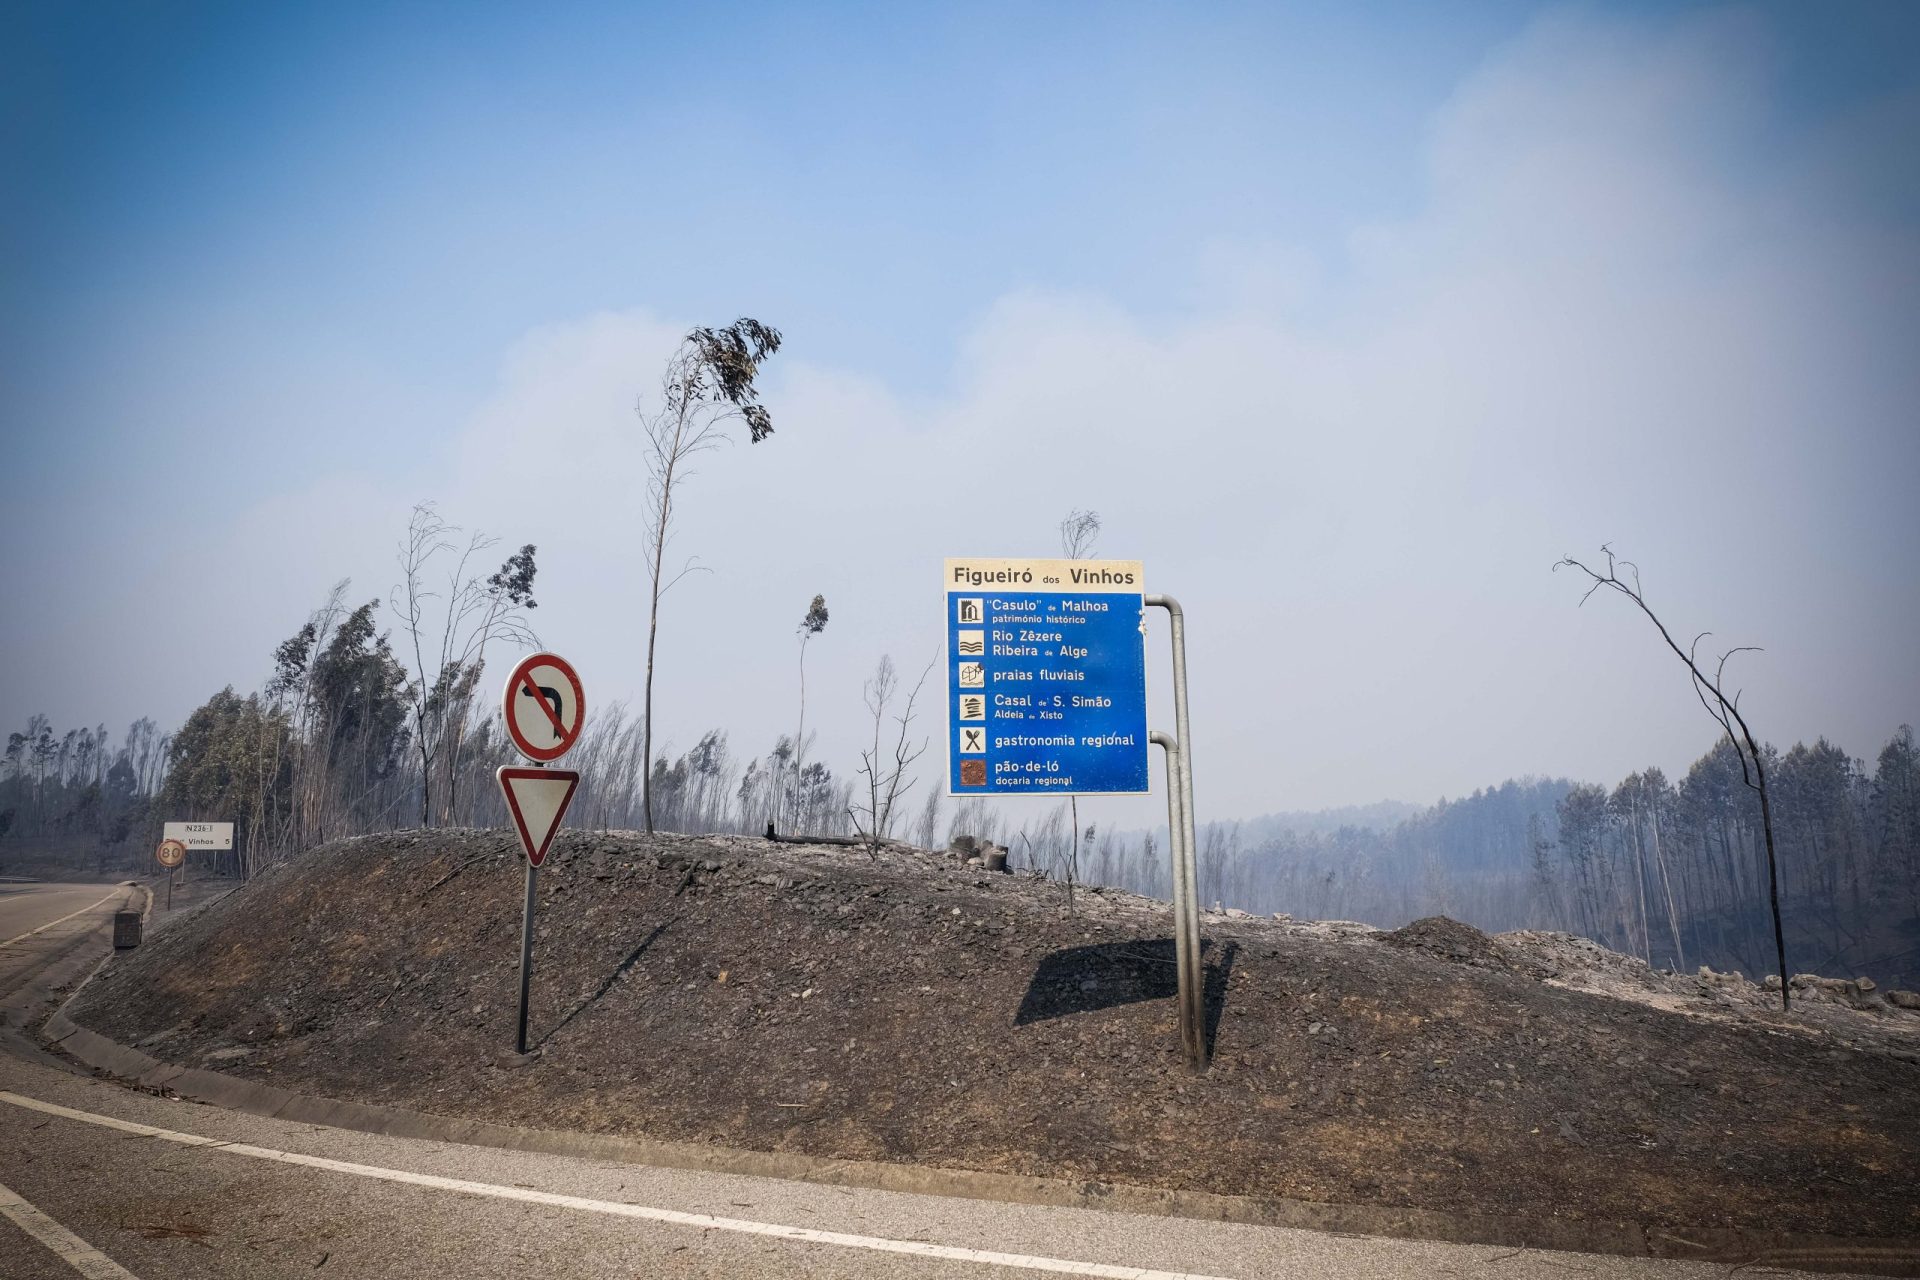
(201, 835)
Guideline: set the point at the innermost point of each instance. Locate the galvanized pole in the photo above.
(1182, 950)
(1186, 892)
(526, 957)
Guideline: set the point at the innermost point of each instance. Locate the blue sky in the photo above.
(263, 263)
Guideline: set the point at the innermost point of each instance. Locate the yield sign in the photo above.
(537, 799)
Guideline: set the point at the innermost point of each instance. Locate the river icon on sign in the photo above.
(973, 675)
(970, 609)
(970, 644)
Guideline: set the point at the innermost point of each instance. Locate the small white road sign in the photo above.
(200, 835)
(536, 800)
(544, 706)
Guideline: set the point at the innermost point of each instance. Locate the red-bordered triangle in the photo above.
(537, 799)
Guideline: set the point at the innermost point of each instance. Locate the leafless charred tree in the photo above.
(709, 381)
(1079, 531)
(450, 639)
(1722, 706)
(926, 828)
(885, 769)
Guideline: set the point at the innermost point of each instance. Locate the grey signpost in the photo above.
(544, 706)
(1186, 879)
(526, 956)
(1047, 694)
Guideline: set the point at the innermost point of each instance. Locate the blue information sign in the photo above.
(1046, 677)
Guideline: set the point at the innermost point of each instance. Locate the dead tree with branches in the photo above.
(709, 381)
(883, 768)
(472, 613)
(1723, 707)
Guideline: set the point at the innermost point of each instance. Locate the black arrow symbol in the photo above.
(551, 696)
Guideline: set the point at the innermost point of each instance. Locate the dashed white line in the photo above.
(806, 1235)
(66, 1246)
(62, 920)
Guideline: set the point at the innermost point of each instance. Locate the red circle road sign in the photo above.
(544, 706)
(172, 853)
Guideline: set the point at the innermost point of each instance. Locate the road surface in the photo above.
(50, 930)
(100, 1181)
(30, 909)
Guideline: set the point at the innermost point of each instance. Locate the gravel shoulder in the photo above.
(909, 1008)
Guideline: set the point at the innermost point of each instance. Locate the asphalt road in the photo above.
(50, 929)
(27, 906)
(99, 1180)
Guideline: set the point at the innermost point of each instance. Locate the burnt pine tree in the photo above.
(709, 381)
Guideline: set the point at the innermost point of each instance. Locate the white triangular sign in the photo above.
(536, 800)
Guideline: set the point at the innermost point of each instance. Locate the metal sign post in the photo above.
(526, 957)
(545, 709)
(1186, 879)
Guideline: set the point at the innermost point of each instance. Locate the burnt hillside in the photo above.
(911, 1008)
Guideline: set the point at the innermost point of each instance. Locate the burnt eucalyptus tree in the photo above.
(709, 381)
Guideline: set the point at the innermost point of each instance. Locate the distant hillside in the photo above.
(1672, 870)
(1382, 815)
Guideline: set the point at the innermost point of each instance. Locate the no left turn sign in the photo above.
(544, 706)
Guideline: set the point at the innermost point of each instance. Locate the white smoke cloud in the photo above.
(1624, 313)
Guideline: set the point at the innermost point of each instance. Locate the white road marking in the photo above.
(805, 1235)
(62, 920)
(66, 1246)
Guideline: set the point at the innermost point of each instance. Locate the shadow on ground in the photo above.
(1083, 979)
(619, 971)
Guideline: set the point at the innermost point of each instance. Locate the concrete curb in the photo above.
(1896, 1257)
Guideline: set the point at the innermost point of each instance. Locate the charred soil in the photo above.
(908, 1008)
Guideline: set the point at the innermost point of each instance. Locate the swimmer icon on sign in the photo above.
(544, 707)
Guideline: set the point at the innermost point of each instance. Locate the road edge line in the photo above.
(611, 1208)
(57, 1240)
